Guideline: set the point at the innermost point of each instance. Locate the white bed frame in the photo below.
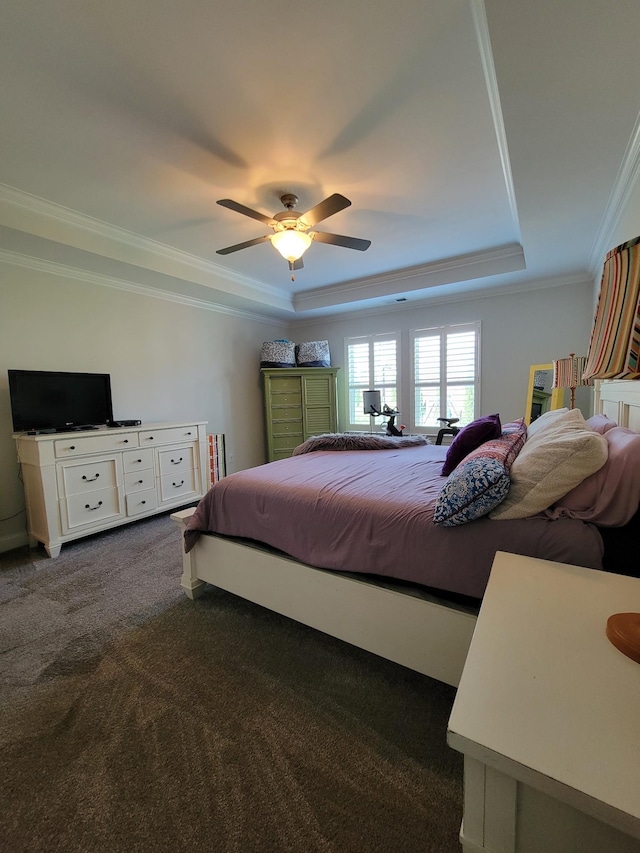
(419, 631)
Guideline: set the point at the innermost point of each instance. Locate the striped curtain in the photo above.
(615, 338)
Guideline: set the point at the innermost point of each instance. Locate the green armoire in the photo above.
(299, 402)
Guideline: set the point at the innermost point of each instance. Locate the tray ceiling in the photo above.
(482, 145)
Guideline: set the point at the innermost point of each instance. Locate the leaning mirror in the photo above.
(541, 395)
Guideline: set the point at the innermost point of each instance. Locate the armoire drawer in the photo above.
(286, 428)
(289, 399)
(285, 384)
(286, 442)
(287, 413)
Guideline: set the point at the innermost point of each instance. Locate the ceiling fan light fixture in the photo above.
(291, 244)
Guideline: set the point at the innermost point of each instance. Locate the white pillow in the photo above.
(552, 462)
(549, 419)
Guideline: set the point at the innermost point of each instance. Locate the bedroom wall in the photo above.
(518, 329)
(168, 362)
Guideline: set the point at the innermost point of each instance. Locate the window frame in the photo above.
(374, 424)
(442, 332)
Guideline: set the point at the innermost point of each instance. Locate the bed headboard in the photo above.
(620, 401)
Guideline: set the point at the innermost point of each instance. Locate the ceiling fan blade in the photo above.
(296, 265)
(247, 211)
(339, 240)
(244, 245)
(333, 204)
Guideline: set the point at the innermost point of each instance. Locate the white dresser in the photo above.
(547, 714)
(78, 483)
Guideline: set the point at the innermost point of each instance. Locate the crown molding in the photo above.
(481, 25)
(64, 271)
(72, 222)
(624, 184)
(431, 301)
(488, 262)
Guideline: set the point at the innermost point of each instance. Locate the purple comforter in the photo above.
(372, 512)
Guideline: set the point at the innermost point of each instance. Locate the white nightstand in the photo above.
(547, 714)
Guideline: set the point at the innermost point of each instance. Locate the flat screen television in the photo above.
(51, 400)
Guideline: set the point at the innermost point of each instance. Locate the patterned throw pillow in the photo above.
(481, 481)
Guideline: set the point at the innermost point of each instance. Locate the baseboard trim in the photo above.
(13, 540)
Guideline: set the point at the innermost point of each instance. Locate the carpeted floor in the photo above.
(134, 719)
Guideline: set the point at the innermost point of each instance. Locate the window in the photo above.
(372, 364)
(446, 375)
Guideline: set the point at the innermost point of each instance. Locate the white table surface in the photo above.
(545, 697)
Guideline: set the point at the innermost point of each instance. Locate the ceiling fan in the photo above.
(291, 235)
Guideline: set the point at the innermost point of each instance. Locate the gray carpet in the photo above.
(134, 719)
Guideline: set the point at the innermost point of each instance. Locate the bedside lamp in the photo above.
(567, 373)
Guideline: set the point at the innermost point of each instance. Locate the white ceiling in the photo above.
(483, 145)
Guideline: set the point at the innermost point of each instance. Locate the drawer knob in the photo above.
(138, 460)
(140, 482)
(150, 438)
(90, 479)
(126, 441)
(99, 504)
(143, 502)
(73, 447)
(176, 461)
(188, 433)
(177, 485)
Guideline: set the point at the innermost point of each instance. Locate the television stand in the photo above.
(77, 482)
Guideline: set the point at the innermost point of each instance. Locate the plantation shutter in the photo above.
(371, 365)
(445, 375)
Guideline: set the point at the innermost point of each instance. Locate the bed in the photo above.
(406, 589)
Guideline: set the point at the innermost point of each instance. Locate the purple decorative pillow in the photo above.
(472, 436)
(611, 496)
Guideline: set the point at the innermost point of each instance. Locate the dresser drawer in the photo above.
(287, 413)
(280, 400)
(137, 460)
(286, 428)
(282, 454)
(85, 477)
(91, 509)
(285, 384)
(86, 445)
(139, 502)
(136, 481)
(176, 459)
(174, 487)
(286, 442)
(174, 435)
